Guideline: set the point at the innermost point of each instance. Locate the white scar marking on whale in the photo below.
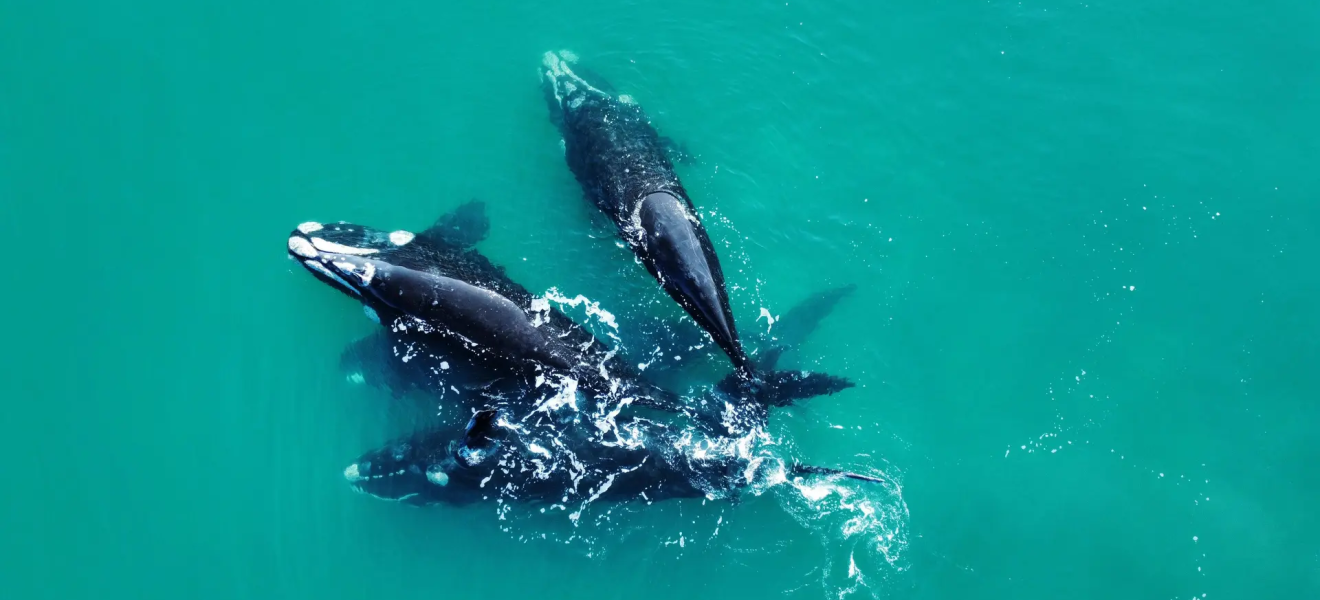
(310, 227)
(326, 246)
(301, 247)
(368, 272)
(311, 264)
(401, 237)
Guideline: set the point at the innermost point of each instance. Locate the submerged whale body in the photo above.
(547, 458)
(622, 165)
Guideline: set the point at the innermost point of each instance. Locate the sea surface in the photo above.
(1085, 330)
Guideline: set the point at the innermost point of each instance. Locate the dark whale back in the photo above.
(519, 338)
(621, 163)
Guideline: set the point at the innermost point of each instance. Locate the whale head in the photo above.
(432, 467)
(357, 261)
(317, 246)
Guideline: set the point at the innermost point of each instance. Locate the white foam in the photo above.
(327, 246)
(566, 396)
(399, 238)
(593, 308)
(310, 226)
(371, 313)
(535, 447)
(351, 473)
(301, 247)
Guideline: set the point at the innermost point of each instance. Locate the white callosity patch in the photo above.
(310, 227)
(301, 247)
(437, 476)
(399, 238)
(351, 473)
(328, 246)
(316, 266)
(564, 80)
(371, 313)
(539, 311)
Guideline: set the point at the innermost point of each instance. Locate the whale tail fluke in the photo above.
(799, 469)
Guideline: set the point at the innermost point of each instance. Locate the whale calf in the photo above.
(622, 165)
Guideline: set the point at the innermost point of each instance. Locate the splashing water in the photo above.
(862, 526)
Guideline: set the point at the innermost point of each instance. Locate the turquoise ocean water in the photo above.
(1084, 239)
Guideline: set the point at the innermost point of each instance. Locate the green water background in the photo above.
(1084, 236)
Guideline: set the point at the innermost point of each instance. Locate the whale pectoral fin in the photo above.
(463, 227)
(676, 151)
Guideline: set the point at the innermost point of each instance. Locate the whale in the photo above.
(547, 459)
(435, 286)
(624, 168)
(453, 315)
